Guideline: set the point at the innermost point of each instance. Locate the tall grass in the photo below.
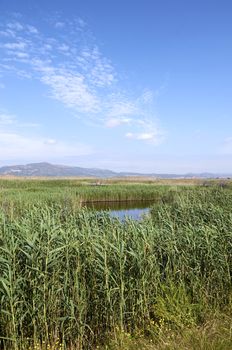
(23, 192)
(17, 194)
(74, 279)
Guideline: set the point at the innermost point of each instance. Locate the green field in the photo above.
(71, 278)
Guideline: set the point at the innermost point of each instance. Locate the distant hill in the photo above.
(47, 169)
(54, 170)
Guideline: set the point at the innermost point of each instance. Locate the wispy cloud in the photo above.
(14, 46)
(59, 25)
(148, 132)
(78, 75)
(98, 69)
(16, 146)
(71, 89)
(32, 29)
(145, 136)
(15, 26)
(121, 107)
(147, 96)
(6, 119)
(114, 122)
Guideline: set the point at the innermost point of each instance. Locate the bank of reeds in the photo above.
(16, 195)
(76, 279)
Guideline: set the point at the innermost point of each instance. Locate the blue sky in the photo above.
(142, 85)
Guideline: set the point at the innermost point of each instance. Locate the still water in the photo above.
(132, 209)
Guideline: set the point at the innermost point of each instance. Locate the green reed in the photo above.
(73, 279)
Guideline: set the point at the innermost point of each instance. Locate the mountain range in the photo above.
(54, 170)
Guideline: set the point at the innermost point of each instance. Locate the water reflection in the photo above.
(122, 209)
(135, 214)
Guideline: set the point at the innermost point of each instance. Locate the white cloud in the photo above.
(15, 46)
(130, 135)
(64, 47)
(59, 25)
(98, 69)
(5, 67)
(6, 119)
(85, 81)
(21, 55)
(9, 120)
(72, 90)
(75, 85)
(81, 22)
(50, 142)
(17, 146)
(113, 122)
(147, 131)
(147, 96)
(121, 108)
(15, 26)
(5, 33)
(146, 136)
(32, 29)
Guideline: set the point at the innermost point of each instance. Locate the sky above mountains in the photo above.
(141, 85)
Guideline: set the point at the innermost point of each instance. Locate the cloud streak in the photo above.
(71, 90)
(148, 132)
(77, 74)
(17, 146)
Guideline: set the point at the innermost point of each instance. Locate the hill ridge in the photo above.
(47, 169)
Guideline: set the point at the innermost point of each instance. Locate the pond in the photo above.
(122, 209)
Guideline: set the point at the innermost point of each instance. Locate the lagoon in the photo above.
(122, 209)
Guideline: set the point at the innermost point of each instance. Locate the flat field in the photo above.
(71, 278)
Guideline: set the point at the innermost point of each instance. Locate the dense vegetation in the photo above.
(75, 191)
(71, 278)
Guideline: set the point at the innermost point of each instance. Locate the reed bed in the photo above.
(71, 278)
(15, 195)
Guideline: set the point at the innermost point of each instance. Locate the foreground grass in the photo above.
(214, 334)
(75, 279)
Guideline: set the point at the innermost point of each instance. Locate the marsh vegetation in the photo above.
(71, 278)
